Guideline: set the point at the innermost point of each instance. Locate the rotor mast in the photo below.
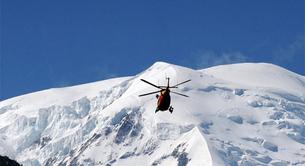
(167, 82)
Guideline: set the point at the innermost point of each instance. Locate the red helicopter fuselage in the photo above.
(164, 100)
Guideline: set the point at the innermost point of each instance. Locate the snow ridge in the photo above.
(241, 114)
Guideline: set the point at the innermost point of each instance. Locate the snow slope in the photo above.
(241, 114)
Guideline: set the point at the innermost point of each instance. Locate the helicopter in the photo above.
(164, 98)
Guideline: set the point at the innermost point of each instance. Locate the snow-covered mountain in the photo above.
(242, 114)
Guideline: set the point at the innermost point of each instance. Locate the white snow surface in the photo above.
(240, 114)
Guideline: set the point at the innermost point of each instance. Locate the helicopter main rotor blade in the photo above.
(179, 94)
(164, 87)
(173, 87)
(180, 84)
(145, 94)
(151, 84)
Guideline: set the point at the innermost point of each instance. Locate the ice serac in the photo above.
(241, 114)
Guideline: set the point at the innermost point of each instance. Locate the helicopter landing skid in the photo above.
(171, 109)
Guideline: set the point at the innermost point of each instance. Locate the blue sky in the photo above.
(46, 44)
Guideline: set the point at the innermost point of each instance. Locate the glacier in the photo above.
(240, 114)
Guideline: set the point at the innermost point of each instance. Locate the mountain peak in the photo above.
(161, 63)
